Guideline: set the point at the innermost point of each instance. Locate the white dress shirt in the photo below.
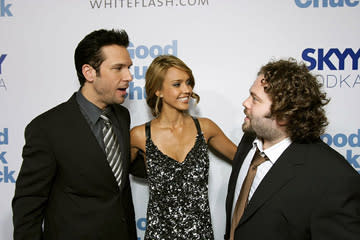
(273, 153)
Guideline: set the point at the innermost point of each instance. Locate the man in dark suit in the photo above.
(297, 187)
(67, 187)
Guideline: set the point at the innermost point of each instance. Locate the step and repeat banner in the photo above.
(225, 42)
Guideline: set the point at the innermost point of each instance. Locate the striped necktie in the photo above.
(112, 148)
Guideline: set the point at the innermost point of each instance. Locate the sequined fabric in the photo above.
(178, 204)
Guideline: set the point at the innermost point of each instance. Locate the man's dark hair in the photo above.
(89, 50)
(296, 98)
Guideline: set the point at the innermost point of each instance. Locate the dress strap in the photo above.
(197, 125)
(147, 130)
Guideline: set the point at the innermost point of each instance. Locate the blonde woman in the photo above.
(175, 149)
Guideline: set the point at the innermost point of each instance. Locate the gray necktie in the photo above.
(112, 148)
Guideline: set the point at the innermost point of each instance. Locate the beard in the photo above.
(263, 127)
(247, 128)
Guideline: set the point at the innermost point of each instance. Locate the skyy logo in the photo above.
(2, 81)
(5, 9)
(2, 58)
(342, 62)
(342, 140)
(6, 176)
(333, 58)
(326, 3)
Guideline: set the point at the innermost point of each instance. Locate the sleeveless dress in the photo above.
(178, 207)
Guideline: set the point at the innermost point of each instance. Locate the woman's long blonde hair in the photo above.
(154, 79)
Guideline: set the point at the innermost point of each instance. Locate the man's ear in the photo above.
(282, 122)
(89, 72)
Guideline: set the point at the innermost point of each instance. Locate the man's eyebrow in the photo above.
(121, 65)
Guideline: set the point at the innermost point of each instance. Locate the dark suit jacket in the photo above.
(66, 183)
(311, 192)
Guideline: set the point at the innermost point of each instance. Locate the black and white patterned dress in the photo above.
(178, 203)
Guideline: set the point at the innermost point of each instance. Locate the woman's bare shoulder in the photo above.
(137, 133)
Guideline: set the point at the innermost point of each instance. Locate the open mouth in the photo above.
(183, 99)
(122, 90)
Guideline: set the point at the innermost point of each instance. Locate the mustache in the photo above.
(268, 115)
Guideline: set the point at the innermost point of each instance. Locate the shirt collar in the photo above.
(275, 151)
(90, 109)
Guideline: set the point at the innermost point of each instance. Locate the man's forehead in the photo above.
(117, 55)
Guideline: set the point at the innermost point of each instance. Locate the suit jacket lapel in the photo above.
(81, 128)
(278, 176)
(243, 149)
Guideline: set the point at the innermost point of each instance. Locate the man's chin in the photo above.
(120, 100)
(247, 128)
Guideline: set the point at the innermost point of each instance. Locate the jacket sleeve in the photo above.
(337, 216)
(33, 184)
(138, 167)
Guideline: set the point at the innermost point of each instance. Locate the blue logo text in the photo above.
(326, 3)
(2, 58)
(141, 224)
(5, 9)
(4, 137)
(342, 140)
(7, 175)
(320, 58)
(143, 51)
